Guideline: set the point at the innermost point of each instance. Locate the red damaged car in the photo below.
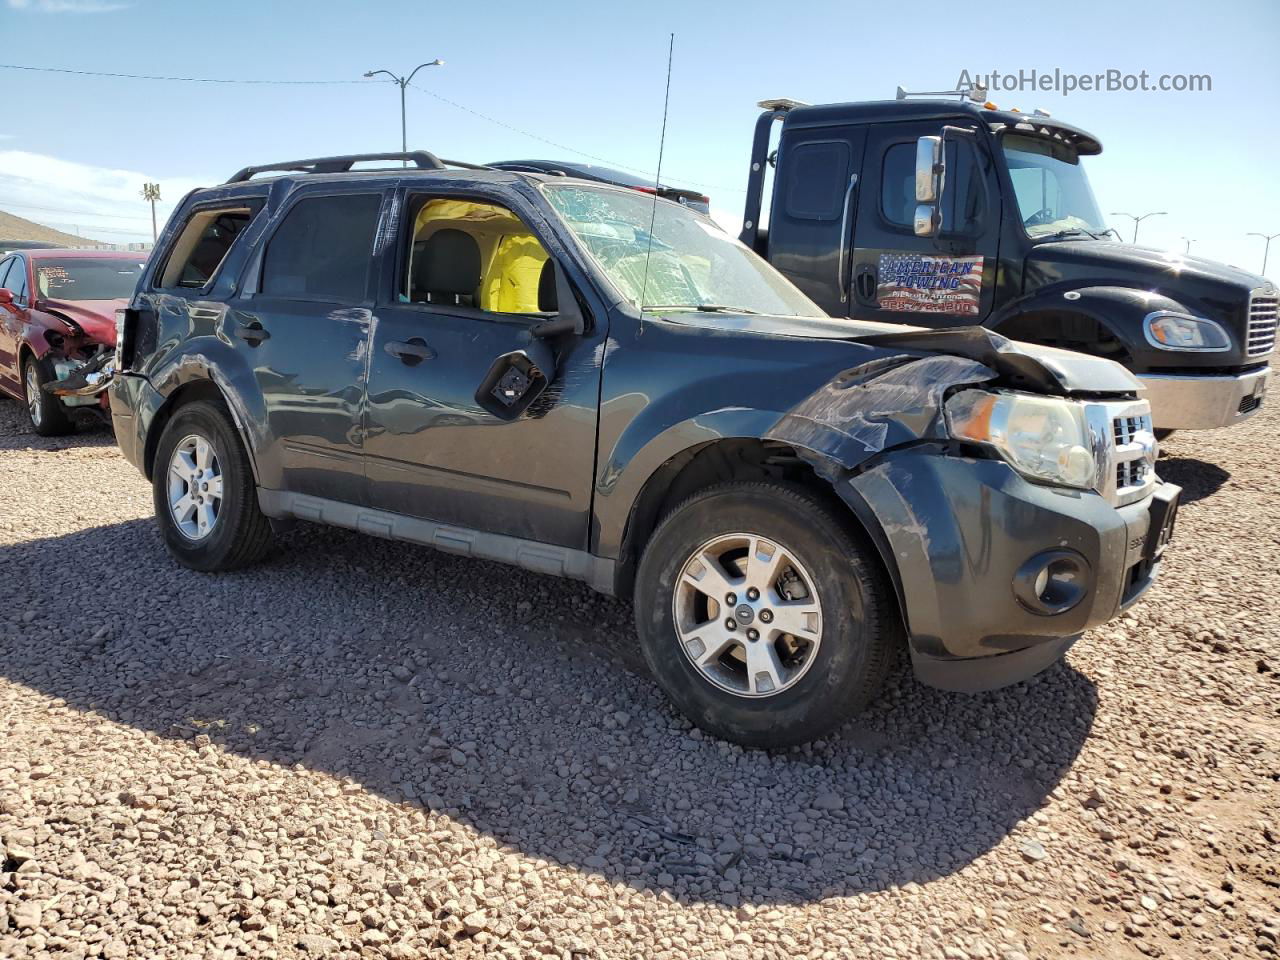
(57, 315)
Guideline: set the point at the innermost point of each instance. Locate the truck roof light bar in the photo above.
(422, 160)
(781, 103)
(976, 93)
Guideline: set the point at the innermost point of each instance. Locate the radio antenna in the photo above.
(657, 180)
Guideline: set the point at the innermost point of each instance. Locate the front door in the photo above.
(470, 279)
(941, 281)
(13, 273)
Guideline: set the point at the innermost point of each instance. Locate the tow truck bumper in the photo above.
(1203, 402)
(966, 541)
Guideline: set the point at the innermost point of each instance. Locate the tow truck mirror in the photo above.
(930, 171)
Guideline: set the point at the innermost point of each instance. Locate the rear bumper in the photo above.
(959, 534)
(1200, 402)
(134, 403)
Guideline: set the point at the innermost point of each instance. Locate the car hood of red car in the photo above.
(97, 318)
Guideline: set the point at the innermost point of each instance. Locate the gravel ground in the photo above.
(365, 749)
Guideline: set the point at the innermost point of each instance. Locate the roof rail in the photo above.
(422, 159)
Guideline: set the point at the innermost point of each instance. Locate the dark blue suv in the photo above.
(593, 383)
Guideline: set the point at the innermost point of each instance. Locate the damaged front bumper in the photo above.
(83, 383)
(966, 540)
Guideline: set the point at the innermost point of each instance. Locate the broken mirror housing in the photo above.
(516, 379)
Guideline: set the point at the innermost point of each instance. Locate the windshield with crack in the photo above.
(692, 263)
(1052, 190)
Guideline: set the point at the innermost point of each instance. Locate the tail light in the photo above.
(126, 320)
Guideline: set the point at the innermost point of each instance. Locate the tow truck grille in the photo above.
(1262, 324)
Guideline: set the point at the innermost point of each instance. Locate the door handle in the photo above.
(865, 285)
(411, 352)
(252, 333)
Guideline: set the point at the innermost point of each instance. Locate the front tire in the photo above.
(205, 498)
(763, 618)
(48, 417)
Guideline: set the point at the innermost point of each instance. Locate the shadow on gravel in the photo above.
(16, 433)
(517, 705)
(1197, 478)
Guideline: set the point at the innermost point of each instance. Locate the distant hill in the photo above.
(15, 231)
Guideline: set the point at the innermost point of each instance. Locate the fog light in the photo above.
(1052, 582)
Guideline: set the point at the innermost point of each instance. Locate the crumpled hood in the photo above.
(97, 318)
(1025, 365)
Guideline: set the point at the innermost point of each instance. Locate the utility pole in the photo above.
(1138, 219)
(151, 192)
(1190, 241)
(1267, 249)
(403, 83)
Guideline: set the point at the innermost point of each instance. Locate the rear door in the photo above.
(304, 329)
(901, 278)
(815, 200)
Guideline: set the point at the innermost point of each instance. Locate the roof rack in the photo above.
(422, 159)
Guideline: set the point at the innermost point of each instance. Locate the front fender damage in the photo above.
(875, 407)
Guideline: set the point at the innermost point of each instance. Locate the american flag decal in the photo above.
(915, 283)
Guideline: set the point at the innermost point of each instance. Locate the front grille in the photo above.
(1130, 460)
(1261, 336)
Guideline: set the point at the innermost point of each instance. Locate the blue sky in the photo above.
(590, 76)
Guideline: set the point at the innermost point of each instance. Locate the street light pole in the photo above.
(1190, 241)
(1138, 219)
(151, 192)
(404, 82)
(1267, 249)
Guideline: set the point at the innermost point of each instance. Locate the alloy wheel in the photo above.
(34, 406)
(747, 615)
(195, 487)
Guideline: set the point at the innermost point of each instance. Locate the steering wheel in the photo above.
(1040, 218)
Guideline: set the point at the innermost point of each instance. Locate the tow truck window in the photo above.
(813, 191)
(963, 191)
(1050, 185)
(81, 278)
(477, 254)
(200, 248)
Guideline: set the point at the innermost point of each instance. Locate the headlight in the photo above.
(1177, 331)
(1044, 438)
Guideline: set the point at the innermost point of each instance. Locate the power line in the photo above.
(84, 213)
(146, 76)
(362, 82)
(561, 146)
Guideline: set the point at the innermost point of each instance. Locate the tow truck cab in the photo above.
(943, 213)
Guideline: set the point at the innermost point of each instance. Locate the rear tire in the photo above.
(205, 497)
(809, 685)
(1163, 434)
(47, 415)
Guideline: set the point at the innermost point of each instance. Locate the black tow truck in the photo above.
(943, 213)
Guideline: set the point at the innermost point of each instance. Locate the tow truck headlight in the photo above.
(1179, 331)
(1043, 438)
